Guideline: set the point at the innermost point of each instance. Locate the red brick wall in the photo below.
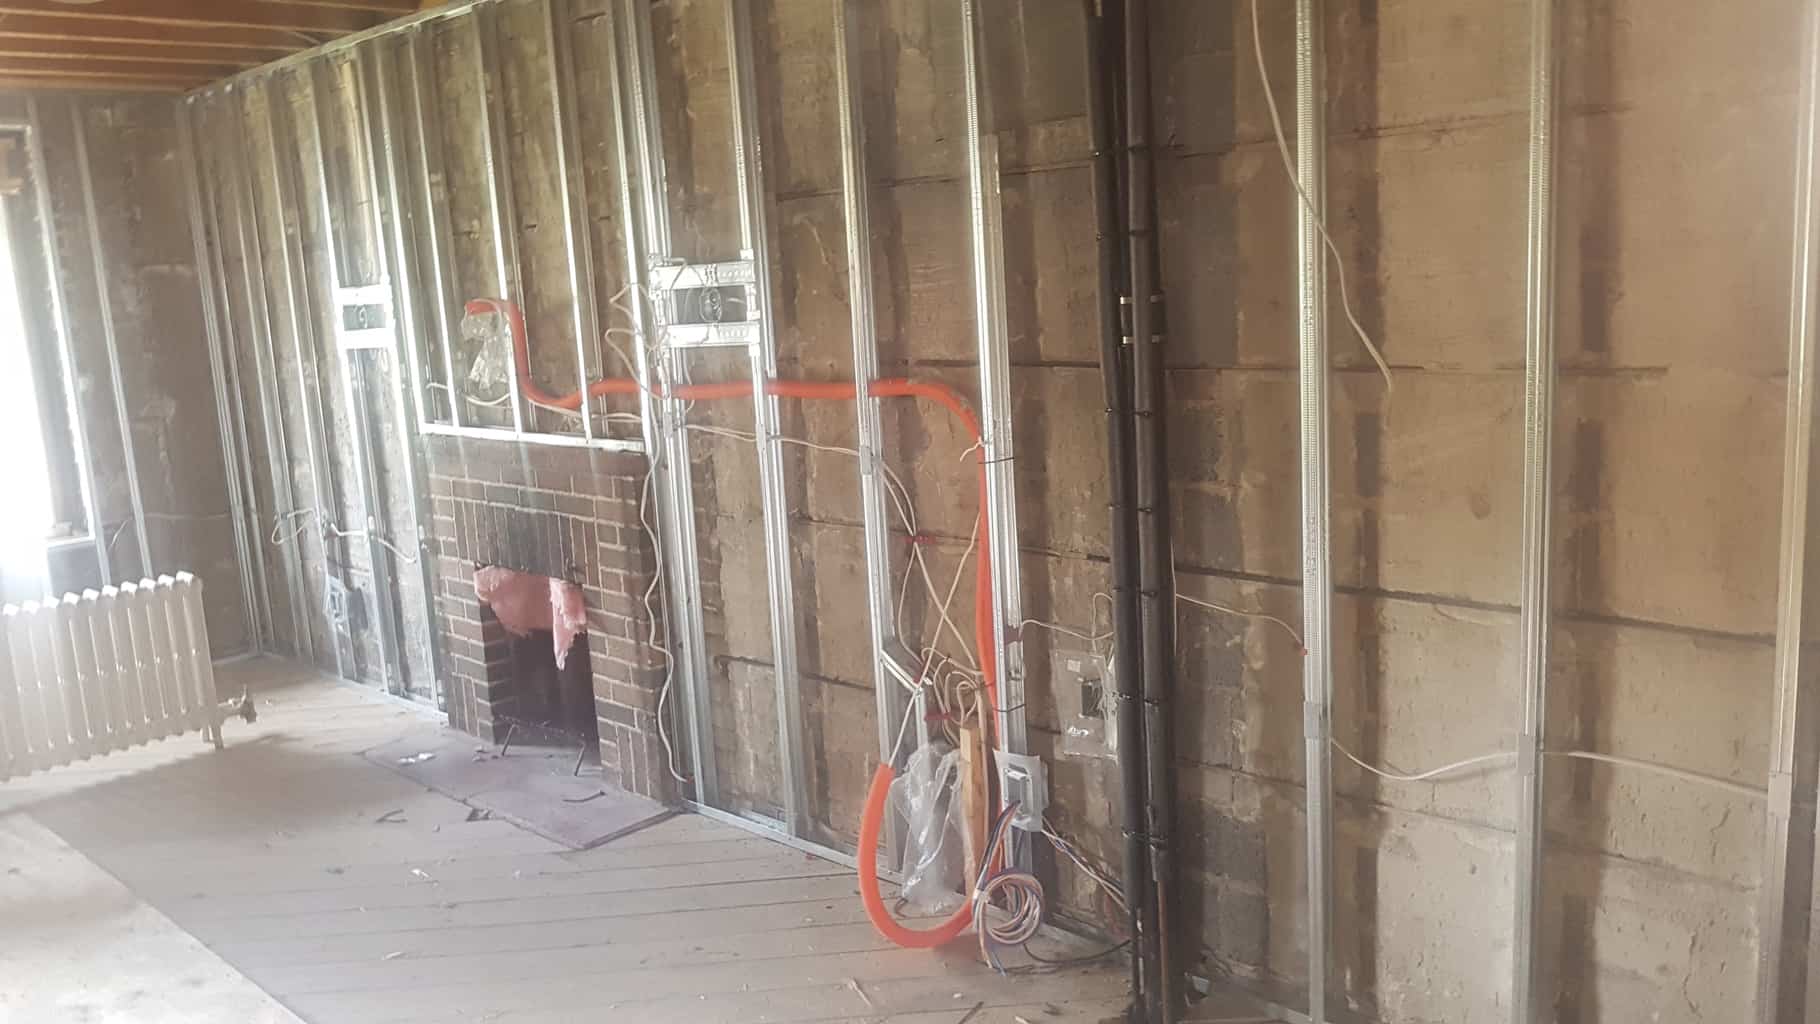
(568, 513)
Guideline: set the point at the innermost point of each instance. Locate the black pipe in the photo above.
(1155, 558)
(1115, 375)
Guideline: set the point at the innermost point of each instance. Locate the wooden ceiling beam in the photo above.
(53, 67)
(14, 45)
(276, 41)
(41, 83)
(392, 7)
(288, 15)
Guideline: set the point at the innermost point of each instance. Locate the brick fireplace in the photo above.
(569, 514)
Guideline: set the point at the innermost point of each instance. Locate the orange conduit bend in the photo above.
(872, 818)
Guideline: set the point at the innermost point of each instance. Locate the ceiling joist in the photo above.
(287, 15)
(165, 45)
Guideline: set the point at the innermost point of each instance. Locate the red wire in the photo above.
(872, 817)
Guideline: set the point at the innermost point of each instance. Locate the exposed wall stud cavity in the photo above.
(60, 323)
(638, 147)
(259, 339)
(755, 242)
(206, 283)
(104, 300)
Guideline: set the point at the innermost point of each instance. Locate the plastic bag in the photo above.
(491, 339)
(926, 797)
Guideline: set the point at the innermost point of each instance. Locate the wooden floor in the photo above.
(353, 895)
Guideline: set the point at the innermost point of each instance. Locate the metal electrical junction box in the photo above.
(1021, 780)
(363, 316)
(706, 305)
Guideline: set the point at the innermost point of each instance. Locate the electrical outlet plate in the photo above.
(1089, 707)
(1022, 780)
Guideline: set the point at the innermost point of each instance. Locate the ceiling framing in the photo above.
(168, 45)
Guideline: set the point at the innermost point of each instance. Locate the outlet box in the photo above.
(1021, 780)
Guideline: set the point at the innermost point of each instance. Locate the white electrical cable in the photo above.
(1433, 773)
(1276, 123)
(1669, 771)
(1507, 759)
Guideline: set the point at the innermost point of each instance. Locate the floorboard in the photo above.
(355, 896)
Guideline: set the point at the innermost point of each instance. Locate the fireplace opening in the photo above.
(550, 702)
(544, 693)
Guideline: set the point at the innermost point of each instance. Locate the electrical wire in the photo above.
(1076, 961)
(1240, 612)
(329, 528)
(1314, 212)
(1506, 759)
(651, 638)
(1020, 891)
(1669, 771)
(1070, 850)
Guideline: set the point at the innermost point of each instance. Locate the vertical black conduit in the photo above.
(1103, 25)
(1155, 571)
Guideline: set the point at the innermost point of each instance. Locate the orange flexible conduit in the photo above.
(872, 818)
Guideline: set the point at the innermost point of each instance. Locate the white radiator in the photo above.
(103, 671)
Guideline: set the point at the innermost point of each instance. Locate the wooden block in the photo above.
(976, 797)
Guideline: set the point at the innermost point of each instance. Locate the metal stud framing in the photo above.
(263, 627)
(890, 697)
(755, 241)
(1785, 911)
(252, 267)
(1317, 541)
(1538, 494)
(991, 326)
(578, 242)
(365, 484)
(41, 197)
(647, 236)
(394, 268)
(285, 189)
(441, 271)
(205, 278)
(503, 215)
(105, 304)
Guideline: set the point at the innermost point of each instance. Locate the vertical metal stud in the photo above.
(639, 153)
(278, 462)
(427, 113)
(212, 215)
(364, 482)
(755, 240)
(206, 283)
(1000, 544)
(105, 303)
(1784, 928)
(1317, 542)
(890, 697)
(396, 268)
(1538, 494)
(53, 268)
(498, 161)
(578, 243)
(285, 190)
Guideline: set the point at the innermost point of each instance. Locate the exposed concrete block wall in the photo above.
(152, 290)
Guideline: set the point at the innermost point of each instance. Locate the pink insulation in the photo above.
(523, 602)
